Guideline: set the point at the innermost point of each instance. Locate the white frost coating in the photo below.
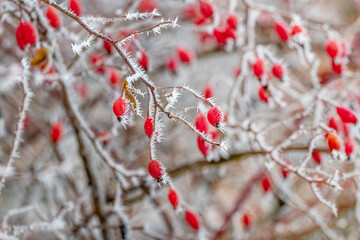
(78, 48)
(20, 125)
(321, 198)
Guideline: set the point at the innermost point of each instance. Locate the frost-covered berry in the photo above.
(172, 64)
(296, 29)
(155, 169)
(75, 6)
(333, 142)
(232, 21)
(120, 107)
(214, 116)
(266, 185)
(246, 220)
(185, 55)
(143, 59)
(173, 198)
(208, 91)
(147, 5)
(332, 48)
(349, 146)
(53, 17)
(258, 68)
(206, 8)
(346, 115)
(281, 31)
(203, 146)
(316, 156)
(149, 126)
(277, 70)
(56, 132)
(201, 123)
(334, 123)
(114, 78)
(192, 219)
(263, 95)
(25, 34)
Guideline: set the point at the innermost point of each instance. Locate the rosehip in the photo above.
(97, 60)
(232, 21)
(56, 132)
(280, 29)
(277, 70)
(296, 29)
(284, 172)
(192, 219)
(173, 198)
(332, 48)
(114, 78)
(263, 95)
(201, 123)
(206, 9)
(143, 59)
(155, 169)
(172, 65)
(26, 34)
(203, 146)
(53, 17)
(149, 126)
(208, 91)
(266, 185)
(107, 47)
(185, 55)
(346, 115)
(337, 68)
(349, 146)
(333, 123)
(333, 142)
(214, 116)
(258, 68)
(246, 220)
(75, 6)
(120, 107)
(147, 6)
(316, 156)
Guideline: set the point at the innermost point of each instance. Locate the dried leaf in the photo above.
(40, 57)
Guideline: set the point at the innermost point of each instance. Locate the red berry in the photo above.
(173, 198)
(192, 219)
(246, 220)
(75, 6)
(277, 70)
(26, 34)
(263, 95)
(214, 116)
(232, 21)
(97, 60)
(114, 78)
(295, 30)
(346, 115)
(201, 123)
(333, 123)
(280, 29)
(56, 132)
(155, 169)
(258, 68)
(316, 156)
(208, 91)
(147, 6)
(120, 107)
(237, 72)
(337, 68)
(107, 47)
(206, 9)
(53, 17)
(333, 142)
(230, 33)
(284, 172)
(172, 64)
(266, 185)
(332, 48)
(203, 146)
(349, 146)
(143, 59)
(149, 126)
(220, 35)
(185, 55)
